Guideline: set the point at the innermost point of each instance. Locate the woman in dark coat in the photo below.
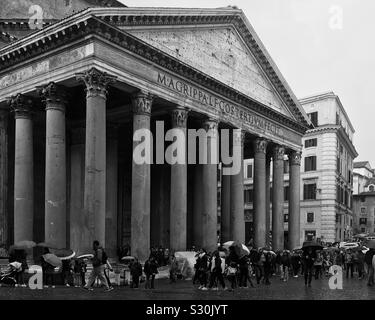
(150, 269)
(136, 273)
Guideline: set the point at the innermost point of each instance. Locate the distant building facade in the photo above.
(364, 198)
(326, 182)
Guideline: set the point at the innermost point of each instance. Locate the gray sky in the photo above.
(317, 49)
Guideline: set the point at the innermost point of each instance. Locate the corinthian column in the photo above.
(294, 200)
(23, 169)
(260, 148)
(95, 152)
(209, 181)
(141, 180)
(178, 206)
(278, 198)
(237, 221)
(55, 178)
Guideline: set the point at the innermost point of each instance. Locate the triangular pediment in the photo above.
(220, 53)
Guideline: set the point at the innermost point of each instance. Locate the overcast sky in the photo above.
(319, 46)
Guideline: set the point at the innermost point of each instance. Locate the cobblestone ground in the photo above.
(295, 289)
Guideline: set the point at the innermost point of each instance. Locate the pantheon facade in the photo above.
(73, 94)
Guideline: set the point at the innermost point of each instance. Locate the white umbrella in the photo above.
(86, 256)
(227, 244)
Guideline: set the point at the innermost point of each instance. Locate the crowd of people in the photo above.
(262, 265)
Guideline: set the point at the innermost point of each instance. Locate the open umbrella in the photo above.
(52, 259)
(127, 259)
(24, 245)
(64, 254)
(228, 244)
(86, 256)
(312, 245)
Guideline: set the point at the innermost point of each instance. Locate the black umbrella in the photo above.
(312, 245)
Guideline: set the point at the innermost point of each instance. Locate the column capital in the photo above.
(96, 82)
(278, 152)
(54, 96)
(179, 117)
(211, 124)
(21, 105)
(295, 158)
(260, 145)
(142, 103)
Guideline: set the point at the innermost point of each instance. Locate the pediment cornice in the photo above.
(84, 24)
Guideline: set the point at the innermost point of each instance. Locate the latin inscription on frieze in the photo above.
(222, 106)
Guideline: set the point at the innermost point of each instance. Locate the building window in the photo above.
(248, 196)
(309, 191)
(363, 199)
(311, 143)
(310, 235)
(363, 210)
(249, 171)
(363, 221)
(363, 230)
(310, 217)
(314, 118)
(286, 193)
(310, 163)
(286, 217)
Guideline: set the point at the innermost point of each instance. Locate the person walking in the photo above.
(285, 266)
(150, 269)
(232, 275)
(267, 265)
(369, 259)
(318, 265)
(173, 268)
(295, 263)
(360, 264)
(136, 272)
(98, 262)
(202, 268)
(217, 270)
(349, 265)
(308, 263)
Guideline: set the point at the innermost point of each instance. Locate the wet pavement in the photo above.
(353, 289)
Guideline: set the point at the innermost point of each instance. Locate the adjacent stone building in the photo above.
(73, 94)
(326, 184)
(364, 198)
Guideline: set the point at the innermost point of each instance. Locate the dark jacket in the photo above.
(97, 260)
(151, 267)
(136, 269)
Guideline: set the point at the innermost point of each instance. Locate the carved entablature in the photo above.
(260, 145)
(278, 153)
(142, 103)
(295, 158)
(54, 96)
(21, 105)
(179, 117)
(96, 82)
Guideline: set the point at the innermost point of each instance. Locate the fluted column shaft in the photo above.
(95, 152)
(268, 200)
(225, 208)
(178, 204)
(209, 182)
(23, 169)
(141, 182)
(237, 221)
(55, 177)
(294, 200)
(278, 198)
(260, 148)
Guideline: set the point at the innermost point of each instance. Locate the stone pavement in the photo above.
(295, 289)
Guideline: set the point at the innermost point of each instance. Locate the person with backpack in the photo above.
(232, 275)
(369, 259)
(136, 272)
(217, 270)
(98, 262)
